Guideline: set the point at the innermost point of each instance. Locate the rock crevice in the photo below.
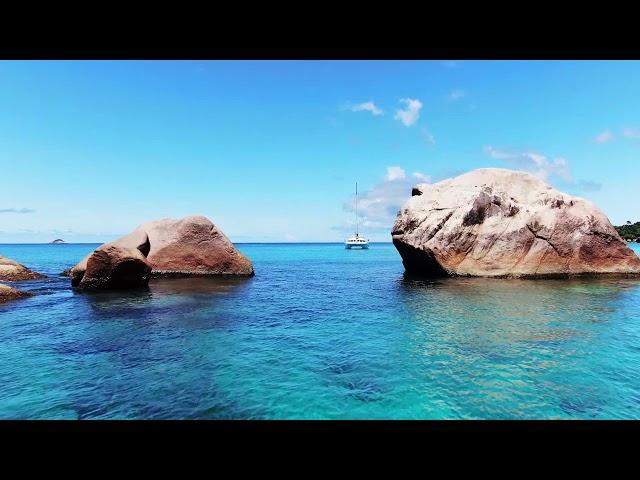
(545, 239)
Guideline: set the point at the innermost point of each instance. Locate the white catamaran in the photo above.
(357, 241)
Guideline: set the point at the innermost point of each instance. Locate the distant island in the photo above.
(57, 241)
(630, 232)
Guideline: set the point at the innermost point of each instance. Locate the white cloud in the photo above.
(456, 95)
(544, 168)
(604, 137)
(533, 162)
(378, 207)
(631, 132)
(410, 115)
(395, 173)
(367, 107)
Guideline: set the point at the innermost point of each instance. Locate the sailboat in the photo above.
(357, 241)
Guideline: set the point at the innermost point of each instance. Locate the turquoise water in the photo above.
(319, 333)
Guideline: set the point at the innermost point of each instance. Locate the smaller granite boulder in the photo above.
(136, 240)
(8, 293)
(113, 267)
(12, 271)
(187, 247)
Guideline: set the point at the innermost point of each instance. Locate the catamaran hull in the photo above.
(349, 246)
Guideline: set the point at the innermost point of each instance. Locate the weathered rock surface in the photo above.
(192, 246)
(8, 293)
(12, 271)
(503, 223)
(137, 240)
(113, 267)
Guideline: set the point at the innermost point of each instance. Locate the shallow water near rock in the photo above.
(319, 333)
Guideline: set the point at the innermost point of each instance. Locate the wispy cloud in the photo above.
(428, 136)
(589, 186)
(533, 162)
(409, 116)
(456, 95)
(421, 177)
(631, 132)
(17, 210)
(450, 63)
(378, 207)
(334, 122)
(604, 137)
(543, 167)
(367, 107)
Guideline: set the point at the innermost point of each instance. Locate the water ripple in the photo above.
(319, 332)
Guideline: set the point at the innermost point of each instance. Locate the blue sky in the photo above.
(270, 150)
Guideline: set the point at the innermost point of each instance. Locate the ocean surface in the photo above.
(319, 333)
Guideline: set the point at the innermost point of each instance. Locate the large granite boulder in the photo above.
(12, 271)
(192, 246)
(502, 223)
(113, 267)
(8, 293)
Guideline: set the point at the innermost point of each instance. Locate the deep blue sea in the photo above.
(319, 333)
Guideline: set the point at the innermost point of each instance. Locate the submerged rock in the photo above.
(192, 246)
(496, 222)
(12, 271)
(8, 293)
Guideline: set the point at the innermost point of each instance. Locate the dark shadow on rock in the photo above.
(419, 262)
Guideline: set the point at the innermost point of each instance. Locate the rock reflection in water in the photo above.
(487, 310)
(502, 343)
(197, 285)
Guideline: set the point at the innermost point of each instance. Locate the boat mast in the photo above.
(356, 209)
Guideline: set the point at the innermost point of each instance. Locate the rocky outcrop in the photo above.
(8, 293)
(503, 223)
(113, 267)
(57, 241)
(192, 246)
(12, 271)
